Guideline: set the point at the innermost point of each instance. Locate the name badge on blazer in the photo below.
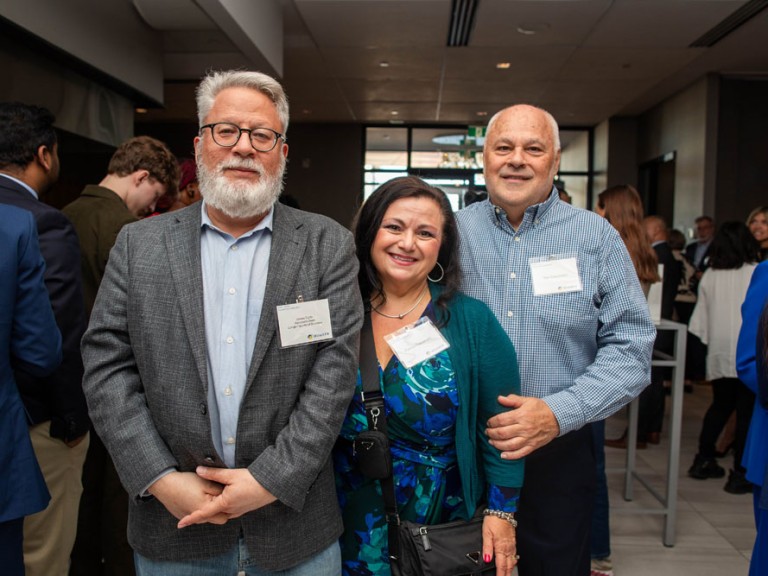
(304, 323)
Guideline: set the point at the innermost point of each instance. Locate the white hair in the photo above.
(215, 82)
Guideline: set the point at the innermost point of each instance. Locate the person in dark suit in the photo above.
(698, 255)
(221, 357)
(696, 252)
(29, 338)
(651, 414)
(55, 405)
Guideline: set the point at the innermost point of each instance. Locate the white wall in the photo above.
(681, 125)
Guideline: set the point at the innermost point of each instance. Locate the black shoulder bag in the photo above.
(451, 549)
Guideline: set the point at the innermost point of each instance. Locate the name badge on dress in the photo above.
(555, 274)
(304, 323)
(416, 342)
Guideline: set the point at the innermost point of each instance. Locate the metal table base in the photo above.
(668, 499)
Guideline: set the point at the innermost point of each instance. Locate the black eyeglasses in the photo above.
(228, 135)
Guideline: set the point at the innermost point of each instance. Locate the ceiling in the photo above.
(583, 60)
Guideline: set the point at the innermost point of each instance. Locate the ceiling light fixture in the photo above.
(482, 113)
(525, 31)
(141, 110)
(503, 65)
(383, 64)
(746, 12)
(462, 21)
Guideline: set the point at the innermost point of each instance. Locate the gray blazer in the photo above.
(146, 384)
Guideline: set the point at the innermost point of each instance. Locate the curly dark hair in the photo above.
(368, 221)
(24, 129)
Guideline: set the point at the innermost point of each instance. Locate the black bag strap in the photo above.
(373, 400)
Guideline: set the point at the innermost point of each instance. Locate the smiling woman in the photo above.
(443, 467)
(758, 226)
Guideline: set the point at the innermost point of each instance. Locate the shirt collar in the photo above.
(265, 224)
(533, 213)
(23, 185)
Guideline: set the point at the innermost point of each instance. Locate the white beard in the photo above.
(240, 199)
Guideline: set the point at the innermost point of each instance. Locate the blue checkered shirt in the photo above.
(585, 353)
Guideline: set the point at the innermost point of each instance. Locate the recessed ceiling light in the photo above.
(503, 65)
(141, 110)
(482, 113)
(394, 112)
(383, 64)
(532, 28)
(396, 122)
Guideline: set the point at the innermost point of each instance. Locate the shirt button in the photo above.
(209, 459)
(513, 275)
(203, 409)
(227, 391)
(234, 248)
(230, 440)
(517, 238)
(232, 291)
(229, 340)
(510, 314)
(536, 221)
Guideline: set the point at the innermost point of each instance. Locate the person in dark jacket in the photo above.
(55, 404)
(140, 171)
(28, 337)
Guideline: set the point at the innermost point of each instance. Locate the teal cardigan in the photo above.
(485, 363)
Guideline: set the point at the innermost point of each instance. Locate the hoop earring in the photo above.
(442, 274)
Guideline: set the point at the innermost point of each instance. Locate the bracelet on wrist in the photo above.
(508, 516)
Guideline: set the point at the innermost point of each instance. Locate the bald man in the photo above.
(562, 284)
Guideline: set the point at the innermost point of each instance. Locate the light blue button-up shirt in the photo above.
(585, 353)
(234, 281)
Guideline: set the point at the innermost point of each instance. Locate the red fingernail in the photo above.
(486, 558)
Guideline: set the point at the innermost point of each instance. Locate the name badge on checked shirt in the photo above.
(304, 323)
(555, 274)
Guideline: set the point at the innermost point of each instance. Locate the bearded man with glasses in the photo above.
(221, 357)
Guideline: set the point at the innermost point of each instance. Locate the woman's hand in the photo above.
(500, 542)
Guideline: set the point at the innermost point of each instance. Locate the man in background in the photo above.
(696, 252)
(140, 171)
(55, 405)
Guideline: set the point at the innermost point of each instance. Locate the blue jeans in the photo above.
(601, 530)
(325, 563)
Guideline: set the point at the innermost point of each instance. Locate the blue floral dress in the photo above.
(422, 404)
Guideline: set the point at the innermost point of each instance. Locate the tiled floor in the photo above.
(715, 530)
